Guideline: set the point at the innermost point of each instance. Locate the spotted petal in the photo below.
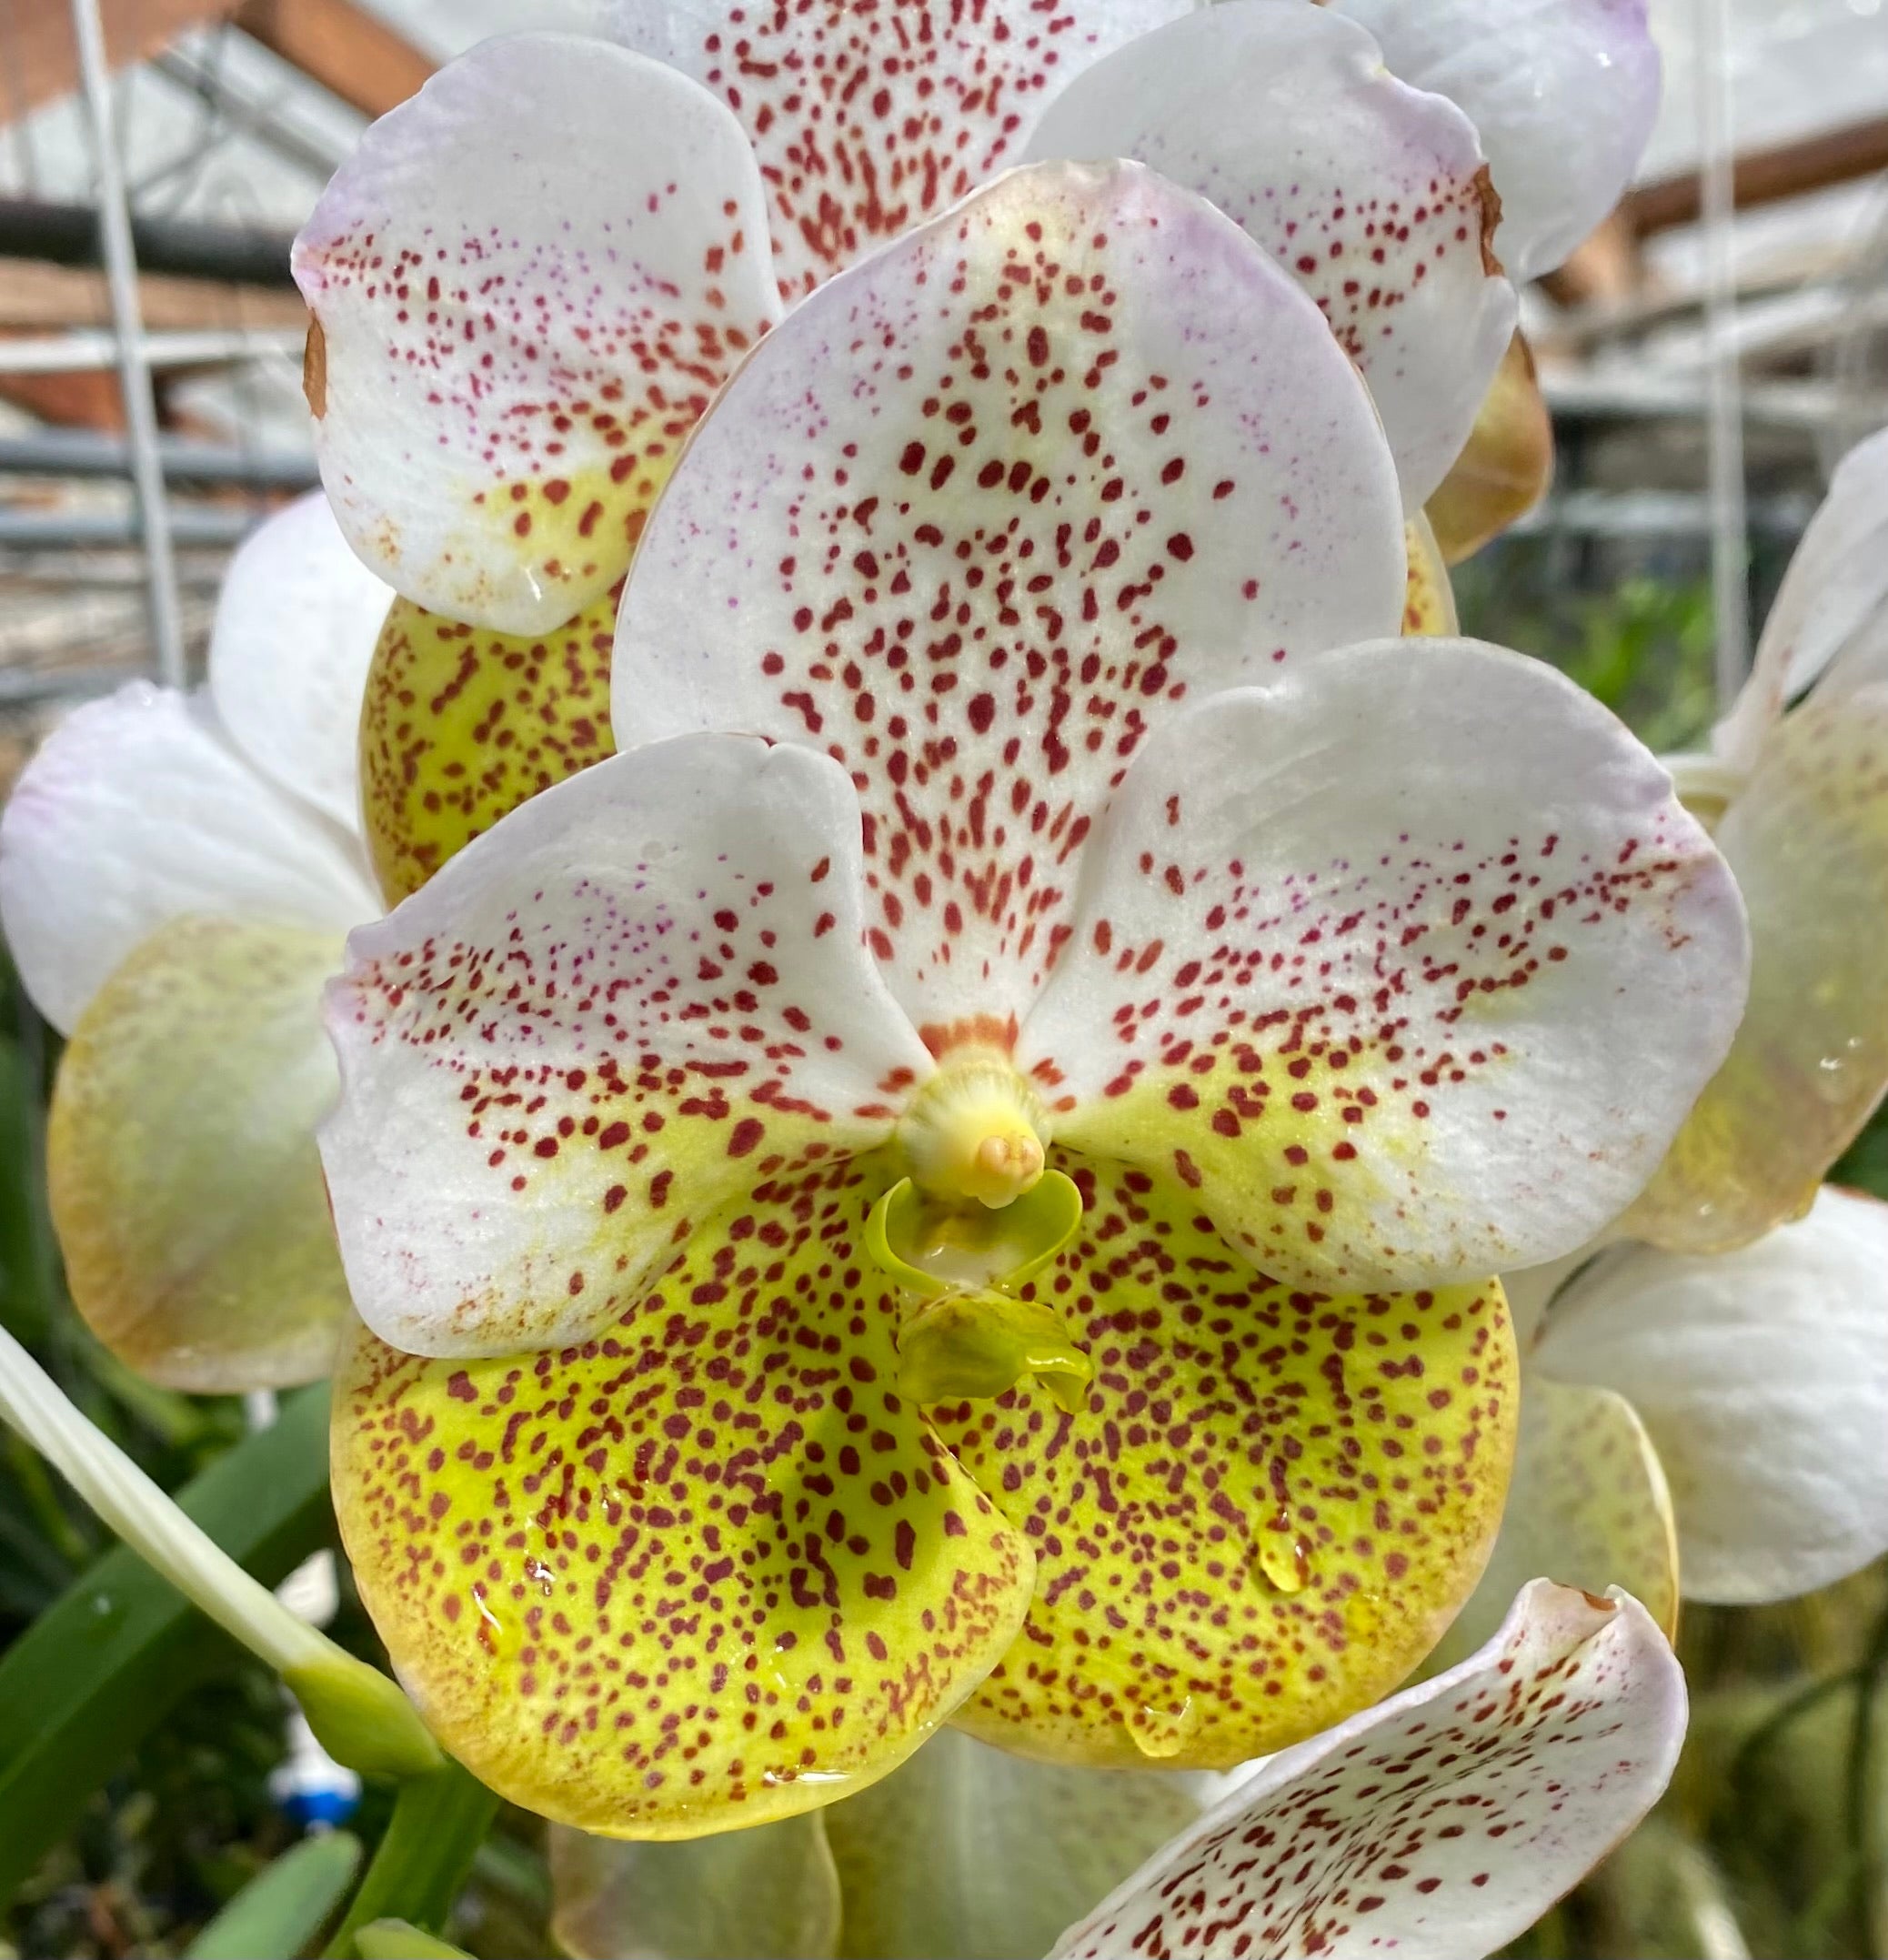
(1373, 193)
(1409, 964)
(705, 1569)
(526, 282)
(1563, 97)
(1763, 1378)
(180, 1153)
(1808, 840)
(294, 629)
(1437, 1827)
(611, 1015)
(138, 811)
(460, 725)
(1587, 1505)
(1834, 593)
(1271, 1507)
(980, 511)
(869, 116)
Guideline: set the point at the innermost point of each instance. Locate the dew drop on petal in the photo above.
(1282, 1556)
(1160, 1733)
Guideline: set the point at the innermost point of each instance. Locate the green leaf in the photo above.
(394, 1939)
(281, 1909)
(103, 1665)
(437, 1825)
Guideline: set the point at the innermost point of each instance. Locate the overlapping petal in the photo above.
(770, 1890)
(1808, 840)
(1373, 195)
(138, 809)
(1505, 465)
(1267, 1512)
(1835, 592)
(180, 1154)
(1587, 1505)
(297, 621)
(963, 1850)
(704, 1569)
(868, 116)
(458, 724)
(980, 511)
(1438, 1826)
(1563, 96)
(1409, 965)
(1762, 1376)
(602, 1023)
(526, 282)
(1429, 600)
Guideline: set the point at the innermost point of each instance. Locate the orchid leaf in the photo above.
(283, 1908)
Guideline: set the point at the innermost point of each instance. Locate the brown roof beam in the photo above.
(340, 46)
(1765, 176)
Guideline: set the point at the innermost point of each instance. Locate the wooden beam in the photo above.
(35, 297)
(1765, 176)
(39, 59)
(341, 46)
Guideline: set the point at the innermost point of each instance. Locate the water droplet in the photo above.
(491, 1629)
(1161, 1732)
(1283, 1556)
(540, 1576)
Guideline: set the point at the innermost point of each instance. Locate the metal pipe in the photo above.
(71, 234)
(52, 530)
(87, 347)
(134, 366)
(1730, 543)
(82, 453)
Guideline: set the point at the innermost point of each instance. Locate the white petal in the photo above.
(979, 511)
(1763, 1378)
(1833, 595)
(634, 1001)
(868, 119)
(1435, 1826)
(1562, 94)
(1372, 194)
(138, 811)
(1411, 964)
(295, 624)
(526, 282)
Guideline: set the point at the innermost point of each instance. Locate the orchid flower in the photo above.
(974, 1194)
(1380, 1835)
(502, 385)
(176, 874)
(1707, 1407)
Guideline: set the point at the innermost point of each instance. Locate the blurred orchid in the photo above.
(1441, 1822)
(1708, 1406)
(502, 385)
(177, 873)
(1083, 923)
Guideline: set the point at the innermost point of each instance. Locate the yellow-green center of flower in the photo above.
(976, 1130)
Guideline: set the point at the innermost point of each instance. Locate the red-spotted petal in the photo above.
(139, 809)
(1373, 193)
(868, 116)
(980, 512)
(705, 1569)
(526, 282)
(1436, 1826)
(1563, 97)
(1410, 965)
(637, 997)
(1265, 1514)
(460, 724)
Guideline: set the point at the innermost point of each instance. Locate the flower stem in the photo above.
(437, 1825)
(361, 1718)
